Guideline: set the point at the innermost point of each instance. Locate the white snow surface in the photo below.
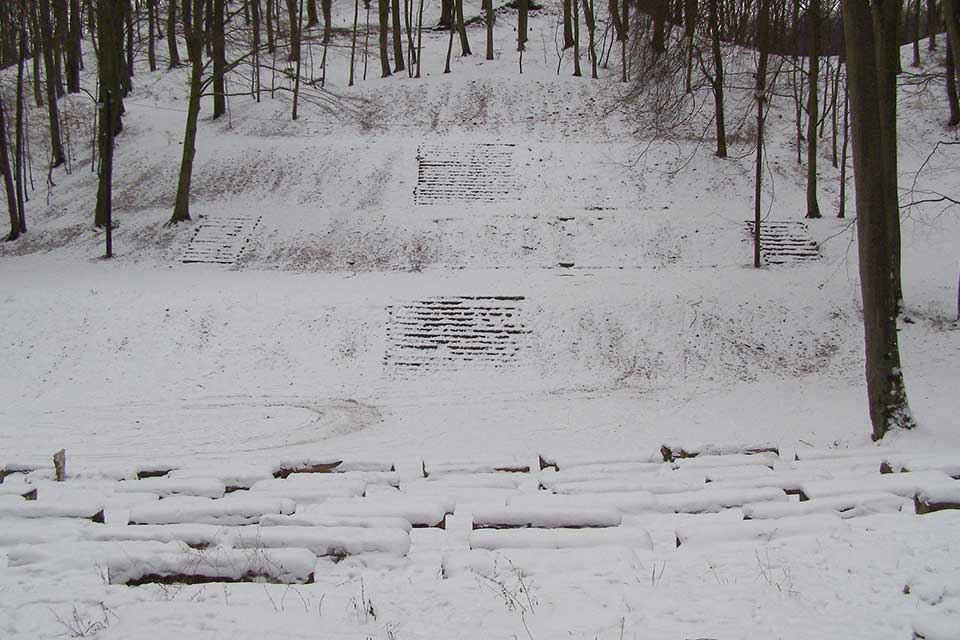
(659, 333)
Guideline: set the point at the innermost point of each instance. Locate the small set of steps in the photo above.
(219, 240)
(479, 173)
(784, 242)
(455, 332)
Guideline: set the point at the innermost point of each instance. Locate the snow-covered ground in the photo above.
(625, 265)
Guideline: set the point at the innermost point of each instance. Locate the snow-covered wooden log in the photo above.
(463, 496)
(12, 467)
(936, 626)
(596, 461)
(731, 460)
(233, 477)
(419, 512)
(20, 489)
(324, 541)
(235, 509)
(310, 489)
(937, 497)
(315, 520)
(948, 463)
(16, 507)
(839, 454)
(218, 564)
(164, 486)
(517, 517)
(707, 535)
(626, 470)
(560, 538)
(674, 450)
(650, 483)
(906, 485)
(197, 536)
(712, 500)
(459, 468)
(471, 480)
(627, 503)
(306, 465)
(846, 506)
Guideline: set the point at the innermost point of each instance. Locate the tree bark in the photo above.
(813, 109)
(195, 40)
(591, 22)
(383, 7)
(522, 13)
(398, 64)
(462, 29)
(714, 26)
(576, 39)
(109, 16)
(151, 36)
(931, 25)
(567, 23)
(952, 99)
(353, 39)
(7, 175)
(312, 17)
(294, 31)
(763, 28)
(172, 52)
(490, 19)
(219, 50)
(57, 156)
(872, 83)
(74, 49)
(916, 33)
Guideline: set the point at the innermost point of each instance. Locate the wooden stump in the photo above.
(60, 465)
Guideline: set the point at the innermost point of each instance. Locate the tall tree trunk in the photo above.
(420, 35)
(353, 39)
(916, 33)
(689, 30)
(490, 18)
(872, 82)
(109, 16)
(658, 43)
(398, 65)
(567, 23)
(57, 156)
(763, 28)
(327, 20)
(714, 26)
(74, 49)
(453, 31)
(843, 154)
(813, 109)
(625, 19)
(446, 14)
(591, 23)
(255, 19)
(931, 25)
(36, 46)
(151, 36)
(462, 29)
(172, 52)
(219, 49)
(576, 39)
(195, 40)
(952, 99)
(7, 175)
(128, 14)
(268, 11)
(312, 17)
(19, 173)
(522, 13)
(294, 31)
(60, 28)
(383, 7)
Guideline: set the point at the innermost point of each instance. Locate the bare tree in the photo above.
(872, 90)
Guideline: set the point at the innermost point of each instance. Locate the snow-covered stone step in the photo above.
(492, 539)
(165, 486)
(846, 506)
(948, 463)
(419, 512)
(235, 509)
(763, 531)
(674, 450)
(171, 566)
(937, 497)
(520, 517)
(17, 507)
(906, 485)
(303, 519)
